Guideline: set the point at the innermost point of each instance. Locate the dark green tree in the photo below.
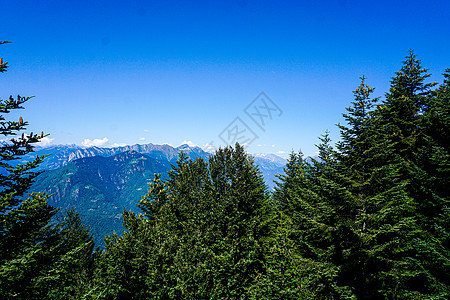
(357, 135)
(37, 259)
(24, 222)
(417, 259)
(399, 252)
(376, 211)
(286, 274)
(320, 207)
(201, 234)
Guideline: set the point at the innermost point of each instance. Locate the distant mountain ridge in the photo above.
(61, 155)
(270, 157)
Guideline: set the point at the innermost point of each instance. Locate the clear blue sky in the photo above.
(173, 71)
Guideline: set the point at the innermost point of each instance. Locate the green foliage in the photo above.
(286, 274)
(38, 260)
(66, 271)
(201, 235)
(420, 260)
(376, 211)
(23, 221)
(320, 209)
(369, 219)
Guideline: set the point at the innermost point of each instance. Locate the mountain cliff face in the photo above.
(101, 187)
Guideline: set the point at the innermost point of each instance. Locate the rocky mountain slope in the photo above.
(101, 187)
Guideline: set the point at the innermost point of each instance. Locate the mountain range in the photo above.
(61, 155)
(101, 182)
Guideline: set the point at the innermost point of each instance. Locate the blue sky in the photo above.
(116, 72)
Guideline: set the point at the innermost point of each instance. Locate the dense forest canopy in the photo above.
(368, 219)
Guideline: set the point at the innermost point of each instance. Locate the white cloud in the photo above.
(142, 138)
(273, 145)
(281, 152)
(95, 142)
(260, 145)
(45, 141)
(209, 148)
(146, 130)
(118, 145)
(189, 143)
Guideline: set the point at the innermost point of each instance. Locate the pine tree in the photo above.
(376, 212)
(434, 155)
(66, 261)
(31, 247)
(200, 237)
(356, 135)
(242, 216)
(286, 274)
(23, 221)
(320, 208)
(417, 264)
(399, 251)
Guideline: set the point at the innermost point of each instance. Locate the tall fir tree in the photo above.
(37, 259)
(399, 252)
(24, 222)
(402, 134)
(201, 234)
(376, 212)
(357, 134)
(320, 208)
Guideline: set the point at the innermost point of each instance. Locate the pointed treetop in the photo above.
(325, 149)
(3, 65)
(446, 84)
(409, 81)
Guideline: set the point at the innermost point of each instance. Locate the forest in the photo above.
(368, 219)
